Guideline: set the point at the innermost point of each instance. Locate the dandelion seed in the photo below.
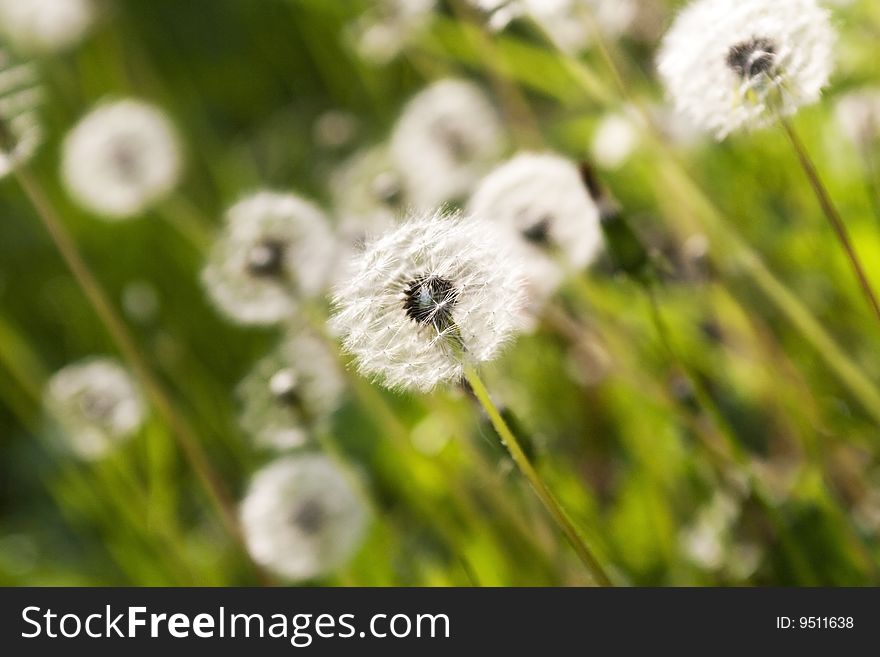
(275, 250)
(96, 404)
(728, 64)
(42, 26)
(302, 518)
(290, 392)
(420, 299)
(541, 204)
(446, 137)
(858, 115)
(121, 158)
(384, 31)
(20, 130)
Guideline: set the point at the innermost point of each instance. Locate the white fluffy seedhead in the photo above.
(42, 26)
(97, 405)
(289, 392)
(121, 158)
(420, 299)
(446, 137)
(388, 26)
(543, 207)
(20, 130)
(275, 250)
(733, 63)
(302, 518)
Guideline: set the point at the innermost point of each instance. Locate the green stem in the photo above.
(831, 213)
(528, 470)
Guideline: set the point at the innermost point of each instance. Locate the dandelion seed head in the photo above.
(20, 130)
(445, 138)
(540, 203)
(96, 404)
(121, 158)
(389, 26)
(290, 392)
(728, 64)
(421, 298)
(614, 141)
(43, 26)
(275, 249)
(302, 518)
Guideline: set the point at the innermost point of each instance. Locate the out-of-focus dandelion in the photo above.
(733, 63)
(368, 194)
(96, 404)
(121, 158)
(446, 137)
(540, 202)
(290, 392)
(858, 115)
(275, 250)
(302, 518)
(335, 129)
(386, 29)
(615, 139)
(42, 26)
(434, 292)
(20, 130)
(564, 21)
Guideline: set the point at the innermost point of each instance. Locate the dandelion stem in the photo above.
(528, 470)
(831, 213)
(97, 297)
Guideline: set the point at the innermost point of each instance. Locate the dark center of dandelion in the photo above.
(453, 140)
(283, 386)
(752, 58)
(125, 159)
(95, 406)
(387, 189)
(266, 258)
(430, 300)
(309, 517)
(538, 233)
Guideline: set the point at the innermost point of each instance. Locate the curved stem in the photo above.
(831, 213)
(528, 470)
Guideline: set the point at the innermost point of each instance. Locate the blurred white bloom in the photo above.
(275, 250)
(707, 540)
(97, 405)
(368, 194)
(140, 300)
(122, 157)
(40, 26)
(290, 391)
(446, 137)
(434, 291)
(384, 31)
(566, 22)
(858, 115)
(302, 518)
(614, 141)
(733, 63)
(541, 203)
(335, 128)
(20, 130)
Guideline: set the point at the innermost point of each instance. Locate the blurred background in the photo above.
(741, 450)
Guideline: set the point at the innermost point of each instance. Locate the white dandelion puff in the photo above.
(302, 518)
(858, 115)
(732, 63)
(290, 392)
(275, 250)
(42, 26)
(386, 29)
(543, 206)
(434, 291)
(97, 405)
(121, 158)
(20, 130)
(446, 137)
(615, 139)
